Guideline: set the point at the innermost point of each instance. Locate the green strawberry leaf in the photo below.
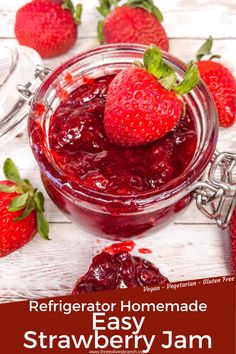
(39, 201)
(7, 189)
(215, 56)
(42, 225)
(157, 12)
(105, 7)
(20, 189)
(26, 186)
(169, 81)
(146, 5)
(11, 172)
(68, 5)
(190, 80)
(26, 181)
(143, 4)
(100, 32)
(75, 11)
(166, 70)
(153, 61)
(18, 203)
(28, 210)
(205, 49)
(166, 75)
(138, 64)
(78, 13)
(155, 65)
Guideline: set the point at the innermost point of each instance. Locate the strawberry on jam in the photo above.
(81, 149)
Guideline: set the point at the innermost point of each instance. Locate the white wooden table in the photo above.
(191, 247)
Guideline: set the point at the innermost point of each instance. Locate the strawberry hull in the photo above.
(109, 190)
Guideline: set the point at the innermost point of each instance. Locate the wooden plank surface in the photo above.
(192, 246)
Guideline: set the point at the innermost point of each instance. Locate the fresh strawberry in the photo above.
(47, 26)
(21, 211)
(144, 102)
(220, 82)
(232, 229)
(137, 21)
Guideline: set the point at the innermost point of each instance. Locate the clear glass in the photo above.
(17, 66)
(112, 216)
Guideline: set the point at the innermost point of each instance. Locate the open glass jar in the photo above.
(124, 216)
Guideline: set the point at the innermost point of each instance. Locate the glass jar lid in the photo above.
(17, 66)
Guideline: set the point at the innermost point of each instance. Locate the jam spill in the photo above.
(119, 270)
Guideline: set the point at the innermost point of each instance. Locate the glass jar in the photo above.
(17, 64)
(119, 217)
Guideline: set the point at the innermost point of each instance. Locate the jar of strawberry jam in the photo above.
(121, 192)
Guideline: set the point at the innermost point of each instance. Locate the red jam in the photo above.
(126, 246)
(120, 270)
(99, 174)
(144, 250)
(81, 149)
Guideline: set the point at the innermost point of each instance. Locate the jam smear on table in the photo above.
(144, 250)
(120, 270)
(80, 148)
(126, 246)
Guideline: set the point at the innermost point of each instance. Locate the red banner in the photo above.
(190, 317)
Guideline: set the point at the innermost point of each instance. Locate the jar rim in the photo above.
(177, 188)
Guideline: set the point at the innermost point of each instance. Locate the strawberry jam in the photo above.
(81, 149)
(120, 270)
(100, 185)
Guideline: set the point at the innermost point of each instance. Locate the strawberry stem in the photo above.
(165, 74)
(147, 5)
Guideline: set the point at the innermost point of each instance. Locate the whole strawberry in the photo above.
(144, 102)
(48, 26)
(232, 229)
(21, 211)
(137, 21)
(220, 82)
